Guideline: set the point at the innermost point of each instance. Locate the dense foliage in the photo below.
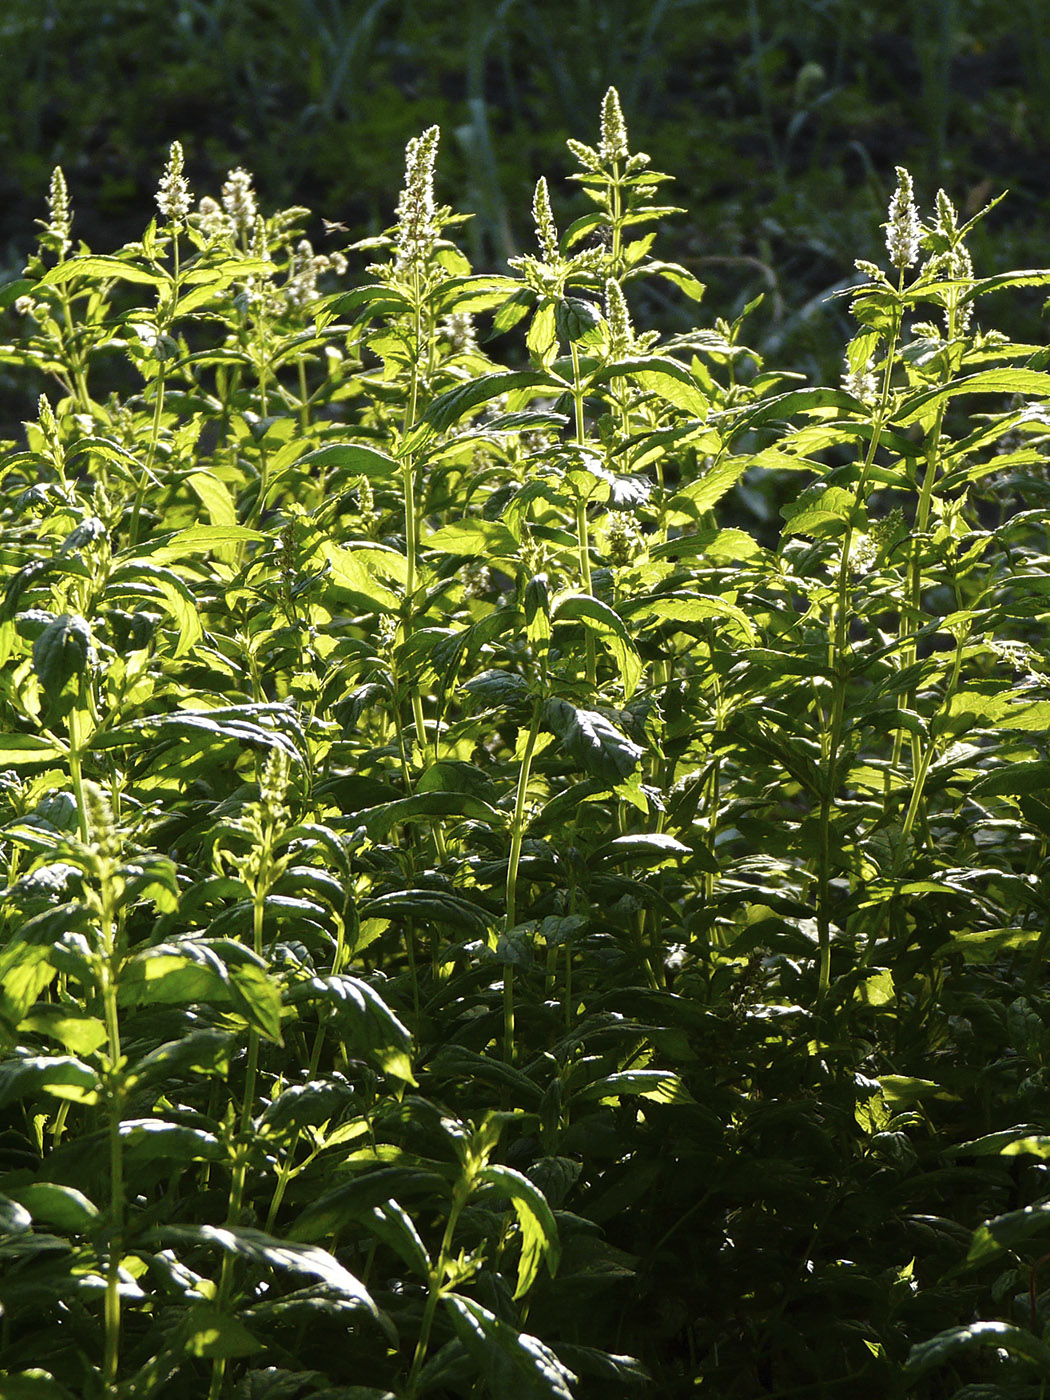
(474, 921)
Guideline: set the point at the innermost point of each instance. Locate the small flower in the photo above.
(903, 229)
(302, 283)
(543, 216)
(458, 330)
(24, 306)
(863, 552)
(238, 200)
(623, 538)
(861, 383)
(173, 194)
(417, 229)
(211, 220)
(613, 144)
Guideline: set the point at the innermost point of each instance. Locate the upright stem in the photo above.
(517, 833)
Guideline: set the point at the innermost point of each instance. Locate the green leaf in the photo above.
(427, 906)
(356, 457)
(214, 496)
(14, 1218)
(450, 407)
(209, 1332)
(989, 381)
(1008, 1231)
(473, 537)
(261, 1248)
(257, 997)
(61, 652)
(593, 741)
(62, 1076)
(100, 267)
(661, 1086)
(691, 607)
(1015, 779)
(25, 970)
(355, 1200)
(394, 1226)
(365, 1022)
(539, 1230)
(202, 539)
(153, 1140)
(380, 821)
(704, 494)
(997, 1336)
(31, 1385)
(611, 630)
(19, 751)
(652, 848)
(664, 377)
(513, 1363)
(62, 1206)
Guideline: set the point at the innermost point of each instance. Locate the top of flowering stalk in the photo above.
(613, 144)
(173, 194)
(904, 231)
(59, 223)
(417, 224)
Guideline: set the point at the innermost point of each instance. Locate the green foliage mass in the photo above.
(488, 908)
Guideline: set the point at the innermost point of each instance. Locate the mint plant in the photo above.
(469, 869)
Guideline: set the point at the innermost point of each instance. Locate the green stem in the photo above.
(460, 1196)
(517, 833)
(116, 1167)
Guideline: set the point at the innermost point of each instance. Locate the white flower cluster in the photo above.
(417, 228)
(301, 287)
(861, 383)
(457, 330)
(173, 194)
(903, 229)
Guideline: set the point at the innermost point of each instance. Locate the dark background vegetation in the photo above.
(781, 122)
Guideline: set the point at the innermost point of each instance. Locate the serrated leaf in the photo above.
(691, 607)
(1015, 779)
(1008, 1231)
(355, 1200)
(609, 627)
(665, 378)
(472, 537)
(989, 381)
(593, 741)
(512, 1362)
(450, 407)
(661, 1086)
(704, 494)
(99, 266)
(61, 652)
(356, 457)
(539, 1230)
(262, 1248)
(998, 1336)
